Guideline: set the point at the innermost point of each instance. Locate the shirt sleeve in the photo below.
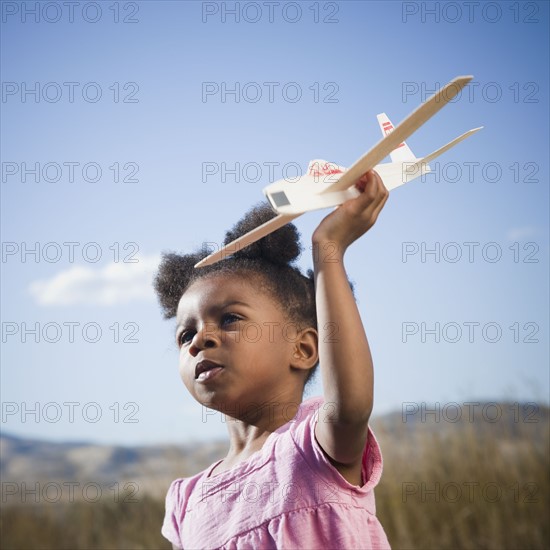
(173, 514)
(372, 463)
(303, 432)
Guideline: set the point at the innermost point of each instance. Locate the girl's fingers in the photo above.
(373, 194)
(379, 207)
(371, 201)
(356, 216)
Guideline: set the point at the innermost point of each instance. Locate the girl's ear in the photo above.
(306, 346)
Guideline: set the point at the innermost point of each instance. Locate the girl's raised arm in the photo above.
(344, 354)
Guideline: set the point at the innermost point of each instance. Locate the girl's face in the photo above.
(236, 345)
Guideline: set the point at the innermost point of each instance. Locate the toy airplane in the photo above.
(291, 199)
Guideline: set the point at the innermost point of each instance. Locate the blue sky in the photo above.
(127, 118)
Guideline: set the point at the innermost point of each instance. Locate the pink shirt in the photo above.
(287, 495)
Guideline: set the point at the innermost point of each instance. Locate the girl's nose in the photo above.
(207, 337)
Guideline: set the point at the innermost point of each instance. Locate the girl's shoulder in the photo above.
(181, 488)
(177, 502)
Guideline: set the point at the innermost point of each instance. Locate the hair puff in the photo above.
(280, 247)
(271, 257)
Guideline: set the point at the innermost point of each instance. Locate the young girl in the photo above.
(251, 330)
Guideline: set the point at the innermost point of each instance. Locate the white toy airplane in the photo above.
(292, 199)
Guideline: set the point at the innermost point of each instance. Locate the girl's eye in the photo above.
(229, 318)
(185, 337)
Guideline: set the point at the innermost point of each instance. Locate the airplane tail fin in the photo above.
(402, 152)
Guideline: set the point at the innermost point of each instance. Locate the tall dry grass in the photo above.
(84, 525)
(469, 485)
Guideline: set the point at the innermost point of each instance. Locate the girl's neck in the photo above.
(247, 436)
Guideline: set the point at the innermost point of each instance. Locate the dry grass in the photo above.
(84, 525)
(444, 487)
(466, 486)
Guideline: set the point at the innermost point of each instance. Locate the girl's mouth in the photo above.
(205, 370)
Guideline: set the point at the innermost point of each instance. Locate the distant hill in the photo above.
(150, 469)
(147, 469)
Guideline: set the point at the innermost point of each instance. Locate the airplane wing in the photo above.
(416, 119)
(368, 161)
(403, 153)
(446, 147)
(396, 174)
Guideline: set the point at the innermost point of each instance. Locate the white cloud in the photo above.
(521, 233)
(114, 284)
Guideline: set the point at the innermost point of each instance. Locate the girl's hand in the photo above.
(354, 217)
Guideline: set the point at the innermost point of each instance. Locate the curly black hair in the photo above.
(269, 261)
